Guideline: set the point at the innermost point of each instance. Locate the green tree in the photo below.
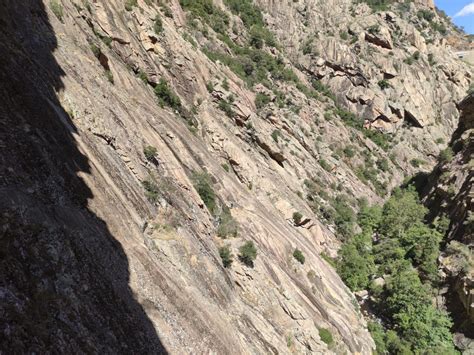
(426, 329)
(356, 263)
(421, 244)
(389, 256)
(344, 217)
(404, 291)
(369, 217)
(400, 212)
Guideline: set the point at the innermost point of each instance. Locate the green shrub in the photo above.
(226, 256)
(308, 46)
(349, 152)
(158, 25)
(344, 216)
(378, 5)
(428, 15)
(225, 106)
(166, 96)
(151, 190)
(109, 75)
(248, 253)
(323, 89)
(297, 216)
(328, 259)
(95, 50)
(326, 336)
(225, 84)
(369, 218)
(252, 65)
(384, 84)
(143, 76)
(261, 100)
(401, 211)
(260, 36)
(276, 134)
(431, 59)
(210, 14)
(209, 87)
(382, 164)
(344, 35)
(150, 152)
(57, 9)
(416, 163)
(166, 10)
(324, 164)
(203, 185)
(107, 40)
(439, 27)
(129, 4)
(247, 11)
(298, 255)
(446, 155)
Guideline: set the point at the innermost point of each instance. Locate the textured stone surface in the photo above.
(108, 271)
(449, 193)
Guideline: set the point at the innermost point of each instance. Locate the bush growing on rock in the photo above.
(325, 165)
(151, 190)
(297, 216)
(349, 151)
(326, 336)
(225, 106)
(226, 256)
(57, 9)
(298, 255)
(150, 152)
(217, 19)
(428, 15)
(384, 84)
(202, 184)
(261, 100)
(129, 4)
(446, 155)
(158, 25)
(248, 253)
(166, 96)
(275, 135)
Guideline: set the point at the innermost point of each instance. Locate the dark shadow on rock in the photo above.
(64, 279)
(419, 181)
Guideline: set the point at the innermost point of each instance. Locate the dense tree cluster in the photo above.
(397, 245)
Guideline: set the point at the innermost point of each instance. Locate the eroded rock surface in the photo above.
(111, 267)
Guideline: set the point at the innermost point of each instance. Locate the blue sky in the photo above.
(461, 11)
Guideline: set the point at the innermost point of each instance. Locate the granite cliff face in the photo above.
(449, 195)
(116, 251)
